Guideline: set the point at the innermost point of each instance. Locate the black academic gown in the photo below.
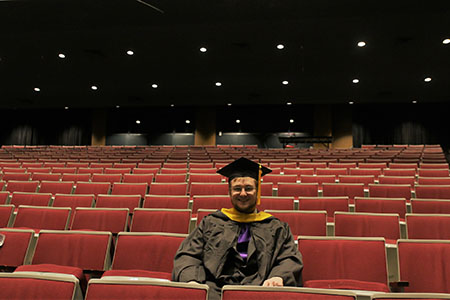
(209, 255)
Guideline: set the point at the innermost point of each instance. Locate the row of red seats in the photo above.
(151, 255)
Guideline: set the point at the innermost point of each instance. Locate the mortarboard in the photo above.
(244, 167)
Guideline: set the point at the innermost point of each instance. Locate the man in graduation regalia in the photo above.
(239, 245)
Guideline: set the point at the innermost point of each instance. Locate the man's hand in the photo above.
(274, 281)
(194, 282)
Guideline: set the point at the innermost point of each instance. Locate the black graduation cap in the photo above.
(243, 167)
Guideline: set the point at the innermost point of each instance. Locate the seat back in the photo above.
(129, 189)
(276, 203)
(94, 188)
(101, 219)
(129, 288)
(6, 214)
(166, 201)
(329, 204)
(56, 187)
(138, 178)
(303, 222)
(42, 217)
(161, 220)
(433, 191)
(430, 206)
(170, 178)
(428, 226)
(35, 199)
(109, 178)
(399, 172)
(17, 247)
(350, 190)
(22, 186)
(168, 188)
(411, 180)
(208, 189)
(234, 292)
(210, 202)
(119, 201)
(390, 191)
(367, 225)
(75, 177)
(381, 205)
(424, 264)
(320, 253)
(139, 250)
(88, 250)
(33, 285)
(297, 190)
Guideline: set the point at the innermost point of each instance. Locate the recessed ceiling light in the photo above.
(414, 101)
(289, 103)
(138, 122)
(218, 83)
(94, 87)
(229, 104)
(117, 106)
(361, 44)
(238, 121)
(280, 46)
(428, 79)
(130, 52)
(203, 49)
(285, 82)
(36, 89)
(188, 121)
(66, 107)
(154, 85)
(446, 41)
(351, 102)
(291, 121)
(172, 105)
(356, 80)
(61, 55)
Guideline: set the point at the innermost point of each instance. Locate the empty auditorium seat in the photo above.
(428, 226)
(75, 177)
(433, 191)
(302, 222)
(71, 252)
(129, 189)
(381, 205)
(350, 190)
(170, 178)
(298, 189)
(46, 176)
(364, 179)
(320, 179)
(119, 201)
(399, 172)
(277, 203)
(331, 171)
(6, 214)
(138, 178)
(329, 204)
(17, 248)
(56, 187)
(33, 285)
(375, 172)
(276, 178)
(409, 296)
(433, 180)
(16, 176)
(42, 217)
(130, 288)
(4, 197)
(321, 269)
(117, 171)
(161, 220)
(433, 172)
(136, 251)
(173, 171)
(145, 171)
(22, 186)
(166, 201)
(424, 264)
(202, 212)
(367, 225)
(246, 292)
(411, 180)
(210, 202)
(35, 199)
(298, 172)
(390, 191)
(208, 189)
(430, 206)
(168, 188)
(100, 219)
(110, 178)
(94, 188)
(73, 201)
(63, 170)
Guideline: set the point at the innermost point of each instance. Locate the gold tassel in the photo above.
(258, 201)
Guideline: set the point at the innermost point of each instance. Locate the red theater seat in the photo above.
(129, 189)
(100, 219)
(166, 201)
(35, 199)
(381, 205)
(168, 188)
(161, 220)
(42, 217)
(428, 226)
(321, 269)
(329, 204)
(430, 206)
(298, 190)
(16, 249)
(277, 203)
(303, 222)
(56, 187)
(433, 191)
(22, 186)
(118, 201)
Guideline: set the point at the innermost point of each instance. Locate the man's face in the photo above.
(243, 194)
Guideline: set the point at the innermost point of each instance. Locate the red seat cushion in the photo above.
(347, 284)
(77, 272)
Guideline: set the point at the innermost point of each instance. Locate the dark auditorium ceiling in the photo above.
(404, 45)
